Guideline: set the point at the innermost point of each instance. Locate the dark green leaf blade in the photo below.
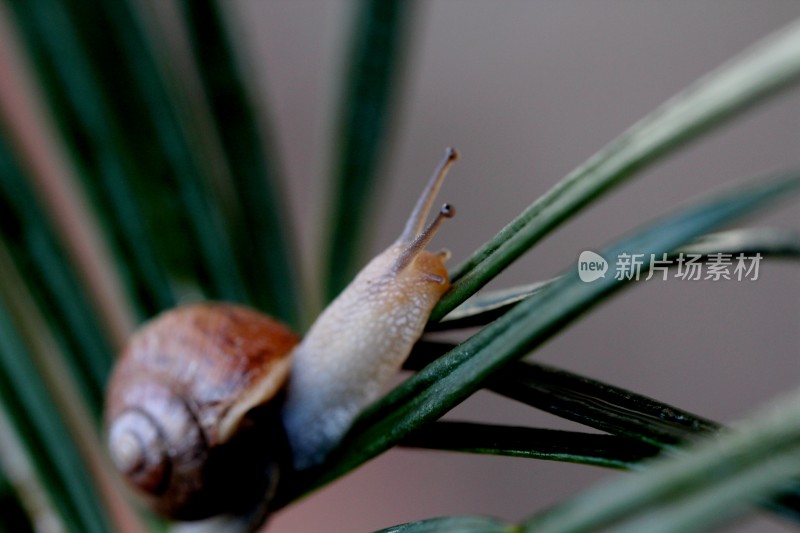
(35, 416)
(136, 121)
(601, 406)
(35, 248)
(483, 308)
(554, 445)
(453, 524)
(361, 133)
(95, 142)
(584, 400)
(187, 219)
(259, 222)
(704, 486)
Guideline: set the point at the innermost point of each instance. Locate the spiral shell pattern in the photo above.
(178, 399)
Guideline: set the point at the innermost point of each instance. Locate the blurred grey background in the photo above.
(527, 91)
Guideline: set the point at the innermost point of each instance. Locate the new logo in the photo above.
(591, 266)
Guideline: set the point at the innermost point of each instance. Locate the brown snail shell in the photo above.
(186, 407)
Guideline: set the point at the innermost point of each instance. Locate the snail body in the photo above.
(208, 395)
(358, 343)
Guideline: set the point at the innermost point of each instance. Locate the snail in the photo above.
(213, 395)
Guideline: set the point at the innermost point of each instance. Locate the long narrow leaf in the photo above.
(757, 74)
(96, 144)
(598, 405)
(710, 506)
(601, 406)
(452, 378)
(453, 524)
(33, 244)
(259, 221)
(770, 242)
(483, 308)
(554, 445)
(44, 348)
(584, 400)
(22, 480)
(372, 73)
(35, 415)
(752, 461)
(184, 219)
(615, 410)
(187, 217)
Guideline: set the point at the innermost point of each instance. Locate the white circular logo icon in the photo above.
(591, 266)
